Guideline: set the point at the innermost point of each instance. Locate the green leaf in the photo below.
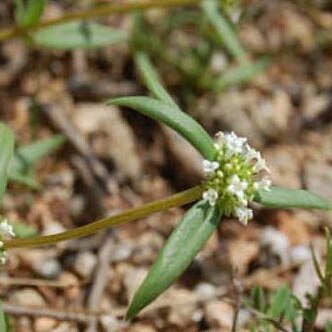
(152, 79)
(241, 74)
(180, 249)
(22, 230)
(3, 322)
(26, 180)
(280, 301)
(328, 326)
(21, 168)
(29, 14)
(75, 35)
(291, 198)
(224, 30)
(28, 155)
(258, 298)
(186, 126)
(6, 155)
(19, 11)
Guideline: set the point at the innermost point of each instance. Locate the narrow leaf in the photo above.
(27, 180)
(3, 322)
(172, 117)
(258, 298)
(280, 302)
(32, 12)
(241, 74)
(152, 79)
(22, 230)
(19, 11)
(224, 30)
(26, 156)
(180, 249)
(75, 35)
(291, 198)
(6, 155)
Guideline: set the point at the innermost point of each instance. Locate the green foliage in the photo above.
(29, 12)
(280, 306)
(241, 74)
(3, 320)
(152, 80)
(6, 153)
(22, 230)
(78, 35)
(291, 198)
(225, 32)
(25, 158)
(280, 302)
(180, 249)
(258, 299)
(172, 117)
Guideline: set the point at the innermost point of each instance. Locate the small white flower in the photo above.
(263, 184)
(6, 228)
(211, 195)
(234, 143)
(261, 165)
(251, 154)
(209, 167)
(237, 187)
(3, 258)
(244, 214)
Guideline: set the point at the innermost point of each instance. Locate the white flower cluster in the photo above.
(236, 174)
(6, 230)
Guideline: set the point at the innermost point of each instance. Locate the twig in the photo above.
(93, 190)
(63, 123)
(34, 282)
(77, 316)
(100, 279)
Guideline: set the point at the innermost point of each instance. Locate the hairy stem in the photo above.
(95, 12)
(179, 199)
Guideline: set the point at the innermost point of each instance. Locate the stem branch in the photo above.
(16, 31)
(181, 198)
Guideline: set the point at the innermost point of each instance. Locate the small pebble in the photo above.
(85, 263)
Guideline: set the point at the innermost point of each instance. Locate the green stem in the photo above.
(99, 11)
(182, 198)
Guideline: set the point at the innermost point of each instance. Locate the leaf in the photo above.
(180, 249)
(22, 230)
(19, 11)
(26, 156)
(75, 35)
(21, 168)
(291, 198)
(258, 298)
(3, 322)
(186, 126)
(279, 302)
(27, 180)
(152, 80)
(224, 30)
(29, 14)
(328, 326)
(6, 155)
(240, 74)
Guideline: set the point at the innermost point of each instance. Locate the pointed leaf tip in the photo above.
(171, 116)
(292, 198)
(180, 249)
